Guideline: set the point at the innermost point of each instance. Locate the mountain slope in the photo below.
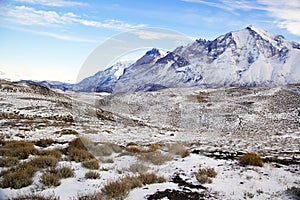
(249, 57)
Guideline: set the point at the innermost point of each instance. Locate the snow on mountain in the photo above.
(248, 57)
(103, 81)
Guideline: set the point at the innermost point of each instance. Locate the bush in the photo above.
(44, 162)
(19, 149)
(119, 189)
(95, 196)
(18, 177)
(64, 172)
(50, 179)
(251, 159)
(91, 164)
(138, 168)
(9, 162)
(44, 142)
(150, 178)
(79, 155)
(35, 197)
(92, 175)
(53, 152)
(157, 158)
(204, 175)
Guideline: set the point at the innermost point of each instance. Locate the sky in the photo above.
(55, 39)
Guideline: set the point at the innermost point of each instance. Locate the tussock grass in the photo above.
(92, 175)
(204, 175)
(78, 152)
(34, 196)
(50, 179)
(17, 178)
(53, 152)
(119, 189)
(44, 142)
(9, 162)
(67, 132)
(95, 196)
(157, 158)
(138, 168)
(43, 162)
(64, 172)
(91, 164)
(251, 159)
(19, 149)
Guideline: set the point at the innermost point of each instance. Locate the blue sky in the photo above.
(51, 39)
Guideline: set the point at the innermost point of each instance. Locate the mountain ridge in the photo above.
(247, 57)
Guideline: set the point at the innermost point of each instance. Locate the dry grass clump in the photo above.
(66, 132)
(119, 189)
(157, 158)
(34, 196)
(77, 151)
(91, 164)
(92, 175)
(251, 159)
(204, 175)
(44, 162)
(53, 152)
(138, 168)
(19, 177)
(64, 172)
(19, 149)
(50, 179)
(44, 142)
(178, 149)
(9, 162)
(95, 196)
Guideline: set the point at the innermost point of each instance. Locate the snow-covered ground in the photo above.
(215, 126)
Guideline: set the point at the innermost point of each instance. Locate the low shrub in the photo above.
(19, 149)
(204, 175)
(91, 164)
(79, 155)
(44, 162)
(251, 159)
(119, 189)
(53, 152)
(9, 161)
(64, 172)
(34, 196)
(92, 175)
(157, 158)
(44, 142)
(138, 168)
(50, 179)
(19, 177)
(95, 196)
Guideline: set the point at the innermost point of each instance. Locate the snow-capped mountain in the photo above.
(103, 81)
(248, 57)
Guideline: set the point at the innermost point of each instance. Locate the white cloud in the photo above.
(53, 35)
(30, 16)
(285, 13)
(54, 3)
(157, 35)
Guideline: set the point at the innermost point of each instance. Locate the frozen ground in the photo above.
(216, 126)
